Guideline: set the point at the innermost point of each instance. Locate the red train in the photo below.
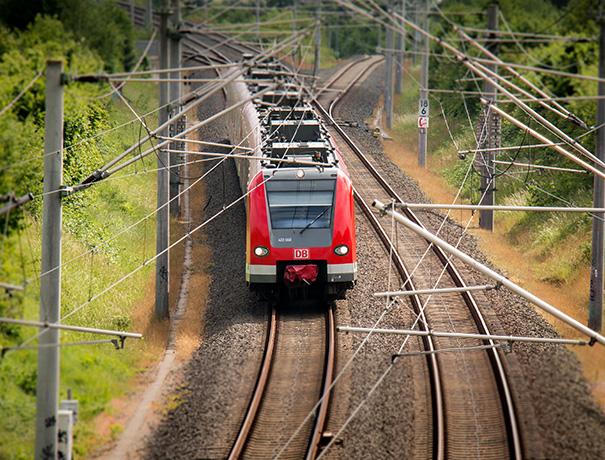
(300, 235)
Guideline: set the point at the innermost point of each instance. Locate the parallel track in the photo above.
(297, 369)
(492, 433)
(476, 416)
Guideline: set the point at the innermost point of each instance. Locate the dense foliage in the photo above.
(88, 36)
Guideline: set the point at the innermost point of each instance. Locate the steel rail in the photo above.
(508, 404)
(252, 411)
(259, 389)
(436, 387)
(322, 413)
(353, 82)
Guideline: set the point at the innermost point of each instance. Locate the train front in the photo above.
(301, 233)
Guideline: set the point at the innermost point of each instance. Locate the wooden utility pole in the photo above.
(595, 313)
(174, 96)
(162, 265)
(489, 131)
(423, 102)
(47, 385)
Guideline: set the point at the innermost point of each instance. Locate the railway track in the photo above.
(297, 368)
(472, 406)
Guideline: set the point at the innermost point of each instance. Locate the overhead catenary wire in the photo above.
(544, 139)
(137, 65)
(562, 111)
(21, 93)
(473, 65)
(113, 285)
(129, 227)
(380, 318)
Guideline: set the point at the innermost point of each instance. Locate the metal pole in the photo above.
(162, 219)
(595, 311)
(491, 133)
(294, 16)
(316, 62)
(595, 336)
(423, 103)
(131, 11)
(400, 54)
(149, 14)
(258, 21)
(417, 19)
(388, 80)
(175, 94)
(461, 335)
(47, 385)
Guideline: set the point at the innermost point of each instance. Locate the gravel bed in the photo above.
(558, 417)
(387, 424)
(206, 411)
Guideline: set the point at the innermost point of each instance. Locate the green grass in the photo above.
(96, 374)
(558, 243)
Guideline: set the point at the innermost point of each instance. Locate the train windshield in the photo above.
(300, 204)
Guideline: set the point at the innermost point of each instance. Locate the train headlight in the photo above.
(341, 250)
(261, 251)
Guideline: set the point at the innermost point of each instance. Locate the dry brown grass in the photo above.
(520, 267)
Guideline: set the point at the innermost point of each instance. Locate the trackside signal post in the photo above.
(388, 80)
(423, 104)
(595, 312)
(489, 135)
(400, 53)
(47, 386)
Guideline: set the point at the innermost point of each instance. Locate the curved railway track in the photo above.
(473, 409)
(472, 406)
(297, 368)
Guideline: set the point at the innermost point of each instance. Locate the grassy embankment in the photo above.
(548, 253)
(95, 374)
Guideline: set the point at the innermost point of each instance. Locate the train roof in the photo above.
(291, 128)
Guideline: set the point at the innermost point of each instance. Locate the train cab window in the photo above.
(300, 204)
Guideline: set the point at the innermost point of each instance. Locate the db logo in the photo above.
(301, 253)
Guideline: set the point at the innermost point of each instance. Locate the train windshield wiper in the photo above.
(315, 220)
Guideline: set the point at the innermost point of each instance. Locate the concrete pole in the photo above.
(492, 132)
(316, 63)
(388, 78)
(417, 35)
(131, 11)
(258, 21)
(423, 103)
(400, 53)
(149, 14)
(294, 28)
(595, 312)
(163, 217)
(47, 385)
(175, 93)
